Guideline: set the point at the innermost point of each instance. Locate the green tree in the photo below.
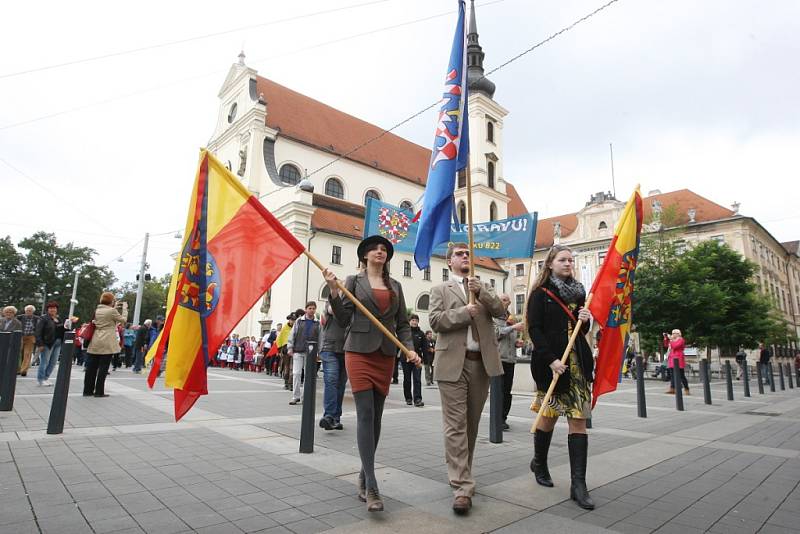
(154, 297)
(42, 269)
(707, 292)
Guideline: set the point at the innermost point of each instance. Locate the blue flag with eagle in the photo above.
(450, 151)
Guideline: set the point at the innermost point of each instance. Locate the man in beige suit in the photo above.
(466, 356)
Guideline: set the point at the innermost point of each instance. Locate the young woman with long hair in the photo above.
(369, 355)
(555, 305)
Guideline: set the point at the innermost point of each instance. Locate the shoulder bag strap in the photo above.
(560, 303)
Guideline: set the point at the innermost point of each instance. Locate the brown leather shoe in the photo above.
(461, 505)
(374, 501)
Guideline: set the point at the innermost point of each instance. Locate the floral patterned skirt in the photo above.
(575, 403)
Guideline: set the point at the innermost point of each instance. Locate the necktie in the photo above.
(473, 329)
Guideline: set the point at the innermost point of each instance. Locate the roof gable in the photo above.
(309, 121)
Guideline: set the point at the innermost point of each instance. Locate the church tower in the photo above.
(489, 199)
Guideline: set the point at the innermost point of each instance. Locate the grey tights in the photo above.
(369, 410)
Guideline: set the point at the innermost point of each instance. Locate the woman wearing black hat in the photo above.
(369, 355)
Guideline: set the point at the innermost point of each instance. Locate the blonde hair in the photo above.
(107, 298)
(546, 271)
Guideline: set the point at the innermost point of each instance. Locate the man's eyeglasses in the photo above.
(461, 253)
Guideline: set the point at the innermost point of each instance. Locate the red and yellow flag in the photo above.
(612, 292)
(233, 251)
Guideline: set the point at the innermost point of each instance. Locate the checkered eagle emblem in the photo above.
(393, 225)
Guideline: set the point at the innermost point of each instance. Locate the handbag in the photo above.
(87, 332)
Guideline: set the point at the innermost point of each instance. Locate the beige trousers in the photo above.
(462, 404)
(28, 343)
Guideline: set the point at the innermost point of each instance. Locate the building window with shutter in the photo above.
(520, 270)
(426, 274)
(445, 275)
(520, 303)
(407, 268)
(336, 255)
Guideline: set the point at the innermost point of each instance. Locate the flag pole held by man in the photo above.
(222, 270)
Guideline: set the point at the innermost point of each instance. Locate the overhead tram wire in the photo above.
(217, 71)
(502, 65)
(187, 39)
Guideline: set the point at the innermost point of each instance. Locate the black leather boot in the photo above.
(578, 448)
(541, 444)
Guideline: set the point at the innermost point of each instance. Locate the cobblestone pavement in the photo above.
(232, 465)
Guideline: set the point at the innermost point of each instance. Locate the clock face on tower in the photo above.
(232, 113)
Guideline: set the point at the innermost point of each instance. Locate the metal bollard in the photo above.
(496, 409)
(729, 379)
(309, 400)
(676, 384)
(641, 402)
(746, 373)
(780, 375)
(789, 375)
(760, 377)
(706, 382)
(771, 376)
(5, 342)
(58, 409)
(8, 379)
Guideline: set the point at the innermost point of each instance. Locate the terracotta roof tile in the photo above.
(683, 199)
(309, 121)
(516, 206)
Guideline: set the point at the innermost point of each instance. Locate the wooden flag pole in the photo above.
(564, 358)
(469, 232)
(386, 332)
(525, 336)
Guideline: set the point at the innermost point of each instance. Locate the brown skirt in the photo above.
(369, 371)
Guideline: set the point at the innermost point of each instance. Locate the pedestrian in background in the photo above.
(130, 336)
(305, 330)
(334, 374)
(428, 356)
(49, 333)
(507, 330)
(104, 344)
(676, 344)
(9, 321)
(764, 357)
(741, 357)
(28, 320)
(140, 345)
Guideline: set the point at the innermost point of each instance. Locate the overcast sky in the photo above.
(698, 94)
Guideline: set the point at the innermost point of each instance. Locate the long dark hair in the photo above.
(547, 270)
(386, 279)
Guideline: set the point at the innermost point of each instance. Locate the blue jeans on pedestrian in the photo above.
(138, 360)
(334, 377)
(47, 360)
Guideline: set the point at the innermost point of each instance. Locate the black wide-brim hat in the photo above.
(362, 247)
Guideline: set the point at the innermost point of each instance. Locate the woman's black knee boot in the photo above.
(578, 449)
(541, 444)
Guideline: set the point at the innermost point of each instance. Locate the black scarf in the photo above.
(570, 289)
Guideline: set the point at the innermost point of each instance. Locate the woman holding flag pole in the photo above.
(369, 353)
(556, 307)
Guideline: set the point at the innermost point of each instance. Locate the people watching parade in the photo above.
(369, 354)
(555, 305)
(412, 375)
(333, 370)
(28, 320)
(676, 344)
(105, 343)
(507, 329)
(49, 333)
(305, 330)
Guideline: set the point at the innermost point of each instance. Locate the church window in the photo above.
(424, 302)
(407, 205)
(232, 113)
(602, 225)
(462, 212)
(333, 188)
(490, 131)
(490, 173)
(290, 175)
(371, 194)
(462, 178)
(492, 212)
